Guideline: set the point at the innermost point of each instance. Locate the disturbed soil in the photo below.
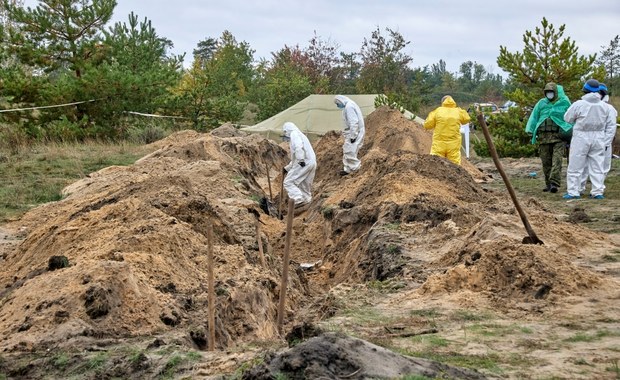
(412, 253)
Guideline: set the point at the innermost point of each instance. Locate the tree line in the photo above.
(66, 52)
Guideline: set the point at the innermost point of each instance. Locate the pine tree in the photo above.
(547, 57)
(610, 59)
(58, 34)
(62, 54)
(135, 73)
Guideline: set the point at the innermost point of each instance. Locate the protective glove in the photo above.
(302, 163)
(353, 141)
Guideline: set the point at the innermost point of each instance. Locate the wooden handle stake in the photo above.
(281, 196)
(285, 264)
(269, 183)
(211, 287)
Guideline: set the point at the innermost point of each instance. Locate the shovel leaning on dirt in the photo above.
(532, 238)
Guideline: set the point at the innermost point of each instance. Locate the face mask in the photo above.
(339, 105)
(549, 95)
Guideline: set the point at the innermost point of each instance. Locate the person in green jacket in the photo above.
(546, 125)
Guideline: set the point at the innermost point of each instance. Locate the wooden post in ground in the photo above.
(211, 287)
(285, 265)
(260, 244)
(269, 183)
(281, 196)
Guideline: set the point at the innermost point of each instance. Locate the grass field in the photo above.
(38, 173)
(604, 214)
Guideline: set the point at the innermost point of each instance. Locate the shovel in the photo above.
(531, 238)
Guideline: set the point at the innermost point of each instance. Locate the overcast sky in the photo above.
(455, 31)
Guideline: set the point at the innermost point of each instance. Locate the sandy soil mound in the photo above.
(135, 241)
(412, 216)
(507, 271)
(332, 356)
(387, 132)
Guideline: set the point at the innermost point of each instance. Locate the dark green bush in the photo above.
(508, 132)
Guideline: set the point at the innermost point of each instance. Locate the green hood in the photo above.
(549, 109)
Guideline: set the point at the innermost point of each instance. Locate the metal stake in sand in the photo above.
(260, 244)
(211, 287)
(285, 265)
(532, 238)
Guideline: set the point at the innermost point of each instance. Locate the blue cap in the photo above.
(591, 85)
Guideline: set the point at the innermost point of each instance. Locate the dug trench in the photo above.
(132, 301)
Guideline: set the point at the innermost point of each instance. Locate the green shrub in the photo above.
(390, 101)
(146, 134)
(60, 361)
(508, 132)
(64, 129)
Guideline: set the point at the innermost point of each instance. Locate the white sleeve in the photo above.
(353, 122)
(297, 147)
(610, 126)
(571, 115)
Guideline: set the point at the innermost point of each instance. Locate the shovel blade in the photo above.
(532, 240)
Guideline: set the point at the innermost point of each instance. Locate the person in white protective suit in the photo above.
(302, 168)
(593, 122)
(612, 133)
(353, 133)
(608, 146)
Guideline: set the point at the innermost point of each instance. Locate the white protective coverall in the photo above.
(592, 130)
(353, 133)
(608, 149)
(298, 180)
(611, 134)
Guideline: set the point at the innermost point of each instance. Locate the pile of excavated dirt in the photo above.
(387, 133)
(419, 218)
(135, 241)
(333, 356)
(505, 271)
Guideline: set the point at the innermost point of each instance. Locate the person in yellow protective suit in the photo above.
(446, 122)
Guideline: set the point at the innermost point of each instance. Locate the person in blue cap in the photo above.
(609, 143)
(611, 132)
(593, 122)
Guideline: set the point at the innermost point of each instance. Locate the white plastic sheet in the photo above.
(465, 133)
